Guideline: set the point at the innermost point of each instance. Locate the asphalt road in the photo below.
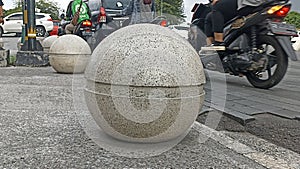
(10, 42)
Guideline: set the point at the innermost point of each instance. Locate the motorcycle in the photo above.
(256, 46)
(85, 29)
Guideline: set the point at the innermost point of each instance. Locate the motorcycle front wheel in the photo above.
(276, 67)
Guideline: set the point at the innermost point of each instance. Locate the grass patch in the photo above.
(12, 60)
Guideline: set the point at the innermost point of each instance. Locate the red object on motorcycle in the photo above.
(87, 23)
(283, 11)
(279, 10)
(102, 15)
(164, 23)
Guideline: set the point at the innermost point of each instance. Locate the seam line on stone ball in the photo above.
(103, 94)
(64, 55)
(112, 84)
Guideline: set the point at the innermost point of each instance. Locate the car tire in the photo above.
(40, 31)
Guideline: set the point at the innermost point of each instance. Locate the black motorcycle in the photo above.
(257, 45)
(85, 29)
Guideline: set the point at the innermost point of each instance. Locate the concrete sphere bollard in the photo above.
(19, 44)
(1, 43)
(48, 42)
(69, 54)
(144, 84)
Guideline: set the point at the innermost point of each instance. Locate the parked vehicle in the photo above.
(13, 24)
(257, 46)
(181, 30)
(110, 15)
(56, 27)
(85, 28)
(114, 12)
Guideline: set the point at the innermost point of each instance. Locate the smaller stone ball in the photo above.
(48, 42)
(69, 54)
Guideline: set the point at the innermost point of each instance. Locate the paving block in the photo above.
(261, 107)
(238, 116)
(286, 114)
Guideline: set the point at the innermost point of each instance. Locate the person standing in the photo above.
(1, 12)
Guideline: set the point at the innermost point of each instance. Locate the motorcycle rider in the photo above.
(85, 14)
(222, 12)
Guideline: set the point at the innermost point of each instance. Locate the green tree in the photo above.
(14, 10)
(293, 18)
(47, 6)
(17, 8)
(172, 9)
(17, 3)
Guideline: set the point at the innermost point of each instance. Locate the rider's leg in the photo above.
(222, 12)
(69, 28)
(218, 37)
(208, 29)
(218, 23)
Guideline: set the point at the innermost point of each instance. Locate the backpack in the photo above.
(75, 18)
(147, 2)
(200, 13)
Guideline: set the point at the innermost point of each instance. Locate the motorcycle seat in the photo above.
(232, 20)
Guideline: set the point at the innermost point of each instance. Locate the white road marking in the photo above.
(262, 158)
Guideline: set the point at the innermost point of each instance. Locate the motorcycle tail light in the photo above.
(87, 23)
(279, 10)
(163, 23)
(102, 16)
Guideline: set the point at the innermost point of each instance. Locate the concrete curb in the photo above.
(234, 115)
(267, 160)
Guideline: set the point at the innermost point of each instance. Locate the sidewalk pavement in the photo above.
(39, 129)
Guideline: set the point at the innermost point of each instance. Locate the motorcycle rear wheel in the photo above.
(276, 68)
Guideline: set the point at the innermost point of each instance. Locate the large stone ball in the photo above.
(144, 84)
(47, 42)
(69, 54)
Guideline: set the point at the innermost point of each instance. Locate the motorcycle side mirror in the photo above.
(119, 4)
(62, 16)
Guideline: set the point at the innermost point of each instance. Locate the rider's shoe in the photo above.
(216, 46)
